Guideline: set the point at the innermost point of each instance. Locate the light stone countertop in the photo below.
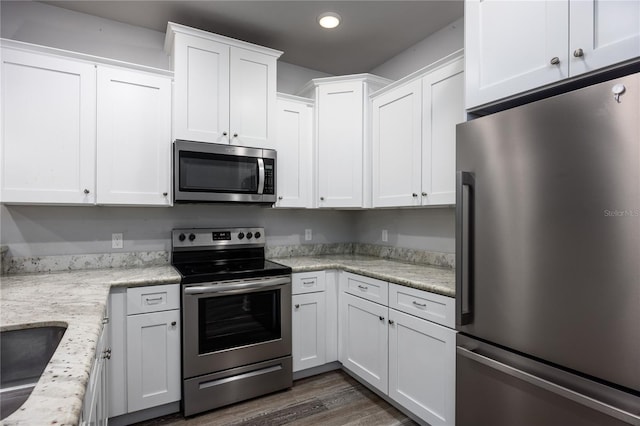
(76, 300)
(424, 277)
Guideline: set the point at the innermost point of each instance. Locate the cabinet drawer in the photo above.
(430, 306)
(307, 282)
(155, 298)
(368, 288)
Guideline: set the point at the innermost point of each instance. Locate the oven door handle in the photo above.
(236, 287)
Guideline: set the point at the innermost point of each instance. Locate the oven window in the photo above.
(205, 172)
(237, 320)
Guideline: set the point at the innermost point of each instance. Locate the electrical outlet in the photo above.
(117, 242)
(385, 236)
(308, 235)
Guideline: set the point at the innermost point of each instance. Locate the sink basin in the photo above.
(24, 354)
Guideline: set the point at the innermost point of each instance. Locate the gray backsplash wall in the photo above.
(431, 229)
(47, 230)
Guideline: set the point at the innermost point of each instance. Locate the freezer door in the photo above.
(548, 230)
(498, 388)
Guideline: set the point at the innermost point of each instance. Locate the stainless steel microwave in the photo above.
(216, 173)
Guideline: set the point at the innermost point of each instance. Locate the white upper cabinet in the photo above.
(607, 32)
(48, 129)
(514, 47)
(134, 138)
(443, 109)
(225, 89)
(342, 132)
(294, 137)
(414, 136)
(397, 146)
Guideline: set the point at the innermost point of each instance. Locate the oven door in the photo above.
(234, 323)
(206, 172)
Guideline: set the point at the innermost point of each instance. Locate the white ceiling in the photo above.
(371, 32)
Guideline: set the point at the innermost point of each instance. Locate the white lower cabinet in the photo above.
(422, 367)
(363, 337)
(146, 348)
(95, 407)
(309, 329)
(391, 346)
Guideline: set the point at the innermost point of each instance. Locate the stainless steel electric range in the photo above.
(236, 317)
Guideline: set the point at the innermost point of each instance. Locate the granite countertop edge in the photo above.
(53, 299)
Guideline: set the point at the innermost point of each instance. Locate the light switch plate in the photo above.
(385, 235)
(308, 235)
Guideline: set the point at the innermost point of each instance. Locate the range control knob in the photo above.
(249, 235)
(240, 235)
(182, 237)
(192, 237)
(257, 235)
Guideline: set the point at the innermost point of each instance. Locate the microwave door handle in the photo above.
(260, 175)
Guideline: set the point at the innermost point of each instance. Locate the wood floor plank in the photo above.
(329, 399)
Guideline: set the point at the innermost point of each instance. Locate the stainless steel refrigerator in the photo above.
(548, 261)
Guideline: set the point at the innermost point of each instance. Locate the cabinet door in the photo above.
(340, 144)
(48, 129)
(397, 136)
(94, 408)
(363, 340)
(422, 361)
(201, 104)
(607, 31)
(252, 99)
(443, 108)
(153, 359)
(134, 138)
(509, 47)
(294, 138)
(308, 330)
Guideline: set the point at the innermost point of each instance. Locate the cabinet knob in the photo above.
(173, 323)
(280, 197)
(105, 320)
(321, 198)
(106, 354)
(555, 60)
(297, 306)
(578, 53)
(414, 194)
(390, 322)
(424, 194)
(224, 133)
(164, 194)
(86, 191)
(235, 135)
(381, 318)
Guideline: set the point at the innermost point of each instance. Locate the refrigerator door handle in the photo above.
(465, 201)
(562, 391)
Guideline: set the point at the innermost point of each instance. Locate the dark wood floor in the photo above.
(331, 399)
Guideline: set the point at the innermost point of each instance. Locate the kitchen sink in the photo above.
(24, 354)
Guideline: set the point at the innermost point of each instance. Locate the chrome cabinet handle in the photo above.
(391, 322)
(105, 320)
(555, 60)
(363, 287)
(156, 300)
(422, 305)
(381, 318)
(578, 53)
(86, 191)
(307, 283)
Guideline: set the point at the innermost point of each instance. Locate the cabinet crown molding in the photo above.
(458, 54)
(173, 28)
(374, 80)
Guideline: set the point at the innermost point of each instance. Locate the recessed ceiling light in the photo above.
(329, 20)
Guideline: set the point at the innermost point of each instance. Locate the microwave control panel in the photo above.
(269, 176)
